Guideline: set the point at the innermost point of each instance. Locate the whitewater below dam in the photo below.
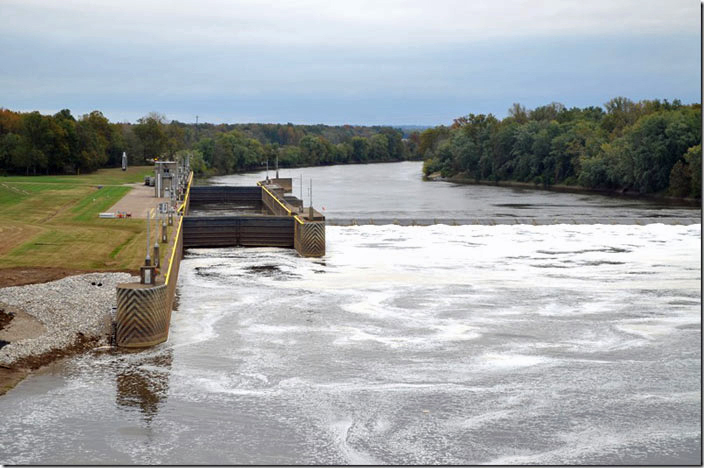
(508, 344)
(408, 345)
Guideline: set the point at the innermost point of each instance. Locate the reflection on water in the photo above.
(145, 386)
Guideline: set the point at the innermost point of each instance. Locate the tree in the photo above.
(153, 139)
(549, 112)
(518, 113)
(66, 145)
(195, 158)
(174, 135)
(379, 148)
(206, 146)
(693, 158)
(680, 180)
(94, 135)
(360, 149)
(431, 138)
(36, 143)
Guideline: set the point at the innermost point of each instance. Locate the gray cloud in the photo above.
(357, 62)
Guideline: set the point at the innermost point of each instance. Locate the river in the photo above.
(510, 344)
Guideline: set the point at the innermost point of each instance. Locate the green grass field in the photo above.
(52, 221)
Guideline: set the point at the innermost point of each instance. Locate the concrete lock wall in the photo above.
(308, 234)
(224, 194)
(231, 231)
(272, 199)
(144, 310)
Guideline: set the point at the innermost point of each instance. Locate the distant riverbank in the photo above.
(675, 201)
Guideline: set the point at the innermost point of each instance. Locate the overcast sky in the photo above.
(360, 62)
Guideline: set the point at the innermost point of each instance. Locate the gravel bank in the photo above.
(80, 306)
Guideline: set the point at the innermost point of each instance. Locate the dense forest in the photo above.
(648, 146)
(32, 143)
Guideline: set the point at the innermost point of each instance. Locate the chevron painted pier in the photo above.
(142, 315)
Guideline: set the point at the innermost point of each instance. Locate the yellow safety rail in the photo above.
(178, 230)
(290, 213)
(173, 250)
(188, 192)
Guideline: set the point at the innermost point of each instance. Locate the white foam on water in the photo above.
(356, 261)
(357, 336)
(480, 325)
(577, 447)
(651, 328)
(374, 304)
(481, 420)
(601, 341)
(454, 331)
(387, 290)
(510, 361)
(340, 431)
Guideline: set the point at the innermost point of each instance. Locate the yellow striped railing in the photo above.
(188, 193)
(178, 230)
(290, 213)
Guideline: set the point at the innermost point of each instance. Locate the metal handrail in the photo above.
(290, 213)
(178, 230)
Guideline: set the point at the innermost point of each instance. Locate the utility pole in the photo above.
(147, 260)
(310, 208)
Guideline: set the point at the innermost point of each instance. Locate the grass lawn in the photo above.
(52, 221)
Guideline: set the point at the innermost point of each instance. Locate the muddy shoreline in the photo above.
(46, 321)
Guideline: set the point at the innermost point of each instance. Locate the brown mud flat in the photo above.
(20, 276)
(11, 376)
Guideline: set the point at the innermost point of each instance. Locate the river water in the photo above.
(395, 191)
(510, 344)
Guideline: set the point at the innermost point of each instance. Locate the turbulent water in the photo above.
(561, 344)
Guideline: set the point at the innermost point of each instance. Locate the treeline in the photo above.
(649, 146)
(233, 151)
(32, 143)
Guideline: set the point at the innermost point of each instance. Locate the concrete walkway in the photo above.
(138, 201)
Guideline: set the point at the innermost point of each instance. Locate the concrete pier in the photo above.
(142, 315)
